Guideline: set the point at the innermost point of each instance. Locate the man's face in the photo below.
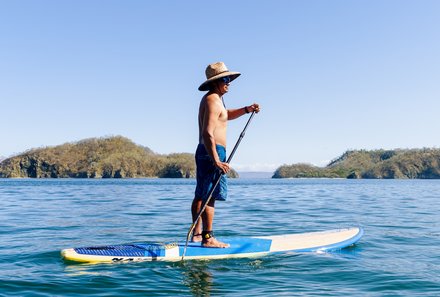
(223, 84)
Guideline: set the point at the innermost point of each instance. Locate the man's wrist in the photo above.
(246, 109)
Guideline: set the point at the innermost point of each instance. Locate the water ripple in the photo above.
(398, 255)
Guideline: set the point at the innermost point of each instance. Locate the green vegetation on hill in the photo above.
(376, 164)
(112, 157)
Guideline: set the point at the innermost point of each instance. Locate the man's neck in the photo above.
(218, 93)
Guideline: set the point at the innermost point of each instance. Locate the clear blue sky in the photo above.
(330, 75)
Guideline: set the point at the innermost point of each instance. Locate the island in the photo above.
(107, 157)
(371, 164)
(119, 157)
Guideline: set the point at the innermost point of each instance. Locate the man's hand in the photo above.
(223, 167)
(254, 107)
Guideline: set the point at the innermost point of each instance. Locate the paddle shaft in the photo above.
(217, 181)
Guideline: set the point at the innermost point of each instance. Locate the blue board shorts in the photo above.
(207, 174)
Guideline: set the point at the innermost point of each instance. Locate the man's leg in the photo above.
(208, 217)
(195, 209)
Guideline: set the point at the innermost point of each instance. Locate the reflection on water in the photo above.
(84, 269)
(197, 277)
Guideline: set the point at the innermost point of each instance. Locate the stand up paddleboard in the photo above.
(239, 248)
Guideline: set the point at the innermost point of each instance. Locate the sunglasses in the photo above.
(226, 79)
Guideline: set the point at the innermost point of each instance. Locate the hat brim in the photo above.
(205, 85)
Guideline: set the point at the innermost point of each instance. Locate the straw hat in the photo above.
(216, 71)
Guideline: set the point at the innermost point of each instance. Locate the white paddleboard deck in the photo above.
(240, 247)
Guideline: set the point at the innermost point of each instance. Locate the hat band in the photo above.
(218, 74)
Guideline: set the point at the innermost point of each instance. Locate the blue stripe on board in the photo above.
(238, 246)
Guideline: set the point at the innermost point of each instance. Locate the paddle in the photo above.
(193, 225)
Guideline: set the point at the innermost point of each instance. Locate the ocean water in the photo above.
(399, 254)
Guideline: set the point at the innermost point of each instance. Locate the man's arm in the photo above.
(236, 113)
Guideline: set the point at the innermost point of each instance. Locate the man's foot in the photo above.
(197, 237)
(210, 241)
(214, 243)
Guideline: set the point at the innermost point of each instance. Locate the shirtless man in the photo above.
(211, 151)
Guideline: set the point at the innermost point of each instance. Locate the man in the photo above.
(211, 151)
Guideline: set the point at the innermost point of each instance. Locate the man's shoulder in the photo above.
(211, 98)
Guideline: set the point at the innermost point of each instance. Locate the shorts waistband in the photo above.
(217, 146)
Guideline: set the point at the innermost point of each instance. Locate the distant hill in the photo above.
(97, 158)
(111, 157)
(375, 164)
